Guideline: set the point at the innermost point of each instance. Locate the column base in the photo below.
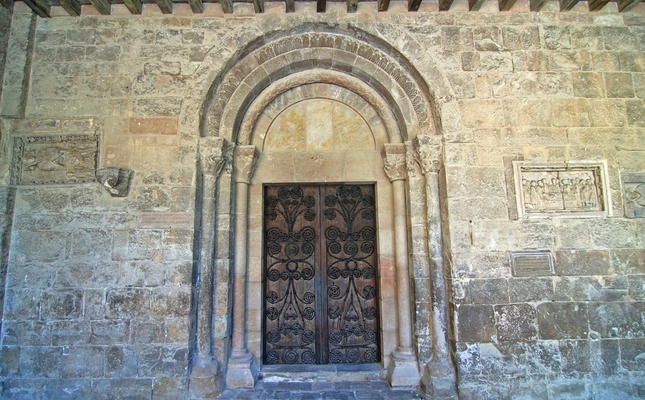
(404, 368)
(206, 382)
(439, 380)
(242, 372)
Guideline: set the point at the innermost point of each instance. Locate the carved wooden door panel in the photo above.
(320, 274)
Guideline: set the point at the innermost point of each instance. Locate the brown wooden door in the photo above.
(320, 274)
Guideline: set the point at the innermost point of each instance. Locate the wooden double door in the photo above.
(320, 266)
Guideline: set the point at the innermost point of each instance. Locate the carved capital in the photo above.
(428, 153)
(212, 155)
(245, 162)
(394, 161)
(115, 180)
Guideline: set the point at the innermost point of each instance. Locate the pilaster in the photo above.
(404, 368)
(439, 377)
(242, 371)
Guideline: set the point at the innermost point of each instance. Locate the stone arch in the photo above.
(353, 57)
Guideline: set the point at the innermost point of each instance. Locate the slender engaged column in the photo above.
(204, 378)
(439, 374)
(404, 368)
(242, 372)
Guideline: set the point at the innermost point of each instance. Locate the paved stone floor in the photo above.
(373, 390)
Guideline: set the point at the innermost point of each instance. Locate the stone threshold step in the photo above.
(323, 373)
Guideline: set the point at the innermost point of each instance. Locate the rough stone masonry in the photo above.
(506, 148)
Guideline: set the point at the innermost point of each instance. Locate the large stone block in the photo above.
(40, 362)
(157, 361)
(617, 320)
(516, 322)
(120, 362)
(128, 303)
(475, 323)
(62, 304)
(83, 362)
(134, 389)
(563, 320)
(582, 262)
(534, 289)
(488, 291)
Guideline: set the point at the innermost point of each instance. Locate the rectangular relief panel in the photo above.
(55, 159)
(634, 191)
(575, 188)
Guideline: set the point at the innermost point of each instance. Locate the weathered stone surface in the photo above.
(476, 323)
(562, 321)
(516, 322)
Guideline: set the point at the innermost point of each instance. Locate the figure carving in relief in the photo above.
(571, 190)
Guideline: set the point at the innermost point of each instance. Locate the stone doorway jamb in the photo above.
(242, 371)
(404, 367)
(204, 378)
(439, 373)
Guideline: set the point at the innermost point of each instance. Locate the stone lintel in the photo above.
(404, 369)
(242, 372)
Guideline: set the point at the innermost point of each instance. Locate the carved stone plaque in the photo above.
(532, 263)
(56, 159)
(572, 188)
(634, 189)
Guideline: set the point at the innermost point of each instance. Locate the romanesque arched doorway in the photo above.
(318, 108)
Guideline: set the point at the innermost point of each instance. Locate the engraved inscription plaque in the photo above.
(56, 159)
(532, 263)
(571, 188)
(634, 192)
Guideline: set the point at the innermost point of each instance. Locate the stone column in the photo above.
(404, 368)
(205, 381)
(242, 371)
(15, 84)
(439, 374)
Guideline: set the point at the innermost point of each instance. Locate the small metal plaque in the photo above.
(54, 159)
(532, 263)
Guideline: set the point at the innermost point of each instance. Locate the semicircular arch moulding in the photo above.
(361, 63)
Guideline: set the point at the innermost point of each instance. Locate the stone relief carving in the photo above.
(561, 188)
(428, 153)
(245, 163)
(212, 155)
(115, 180)
(40, 160)
(394, 162)
(634, 190)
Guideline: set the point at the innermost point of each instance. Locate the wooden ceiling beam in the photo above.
(103, 6)
(595, 5)
(413, 5)
(7, 3)
(536, 5)
(567, 5)
(197, 6)
(505, 5)
(134, 6)
(626, 5)
(164, 5)
(352, 5)
(444, 5)
(227, 5)
(73, 7)
(40, 7)
(475, 5)
(321, 6)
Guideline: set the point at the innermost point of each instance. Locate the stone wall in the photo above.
(5, 26)
(100, 288)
